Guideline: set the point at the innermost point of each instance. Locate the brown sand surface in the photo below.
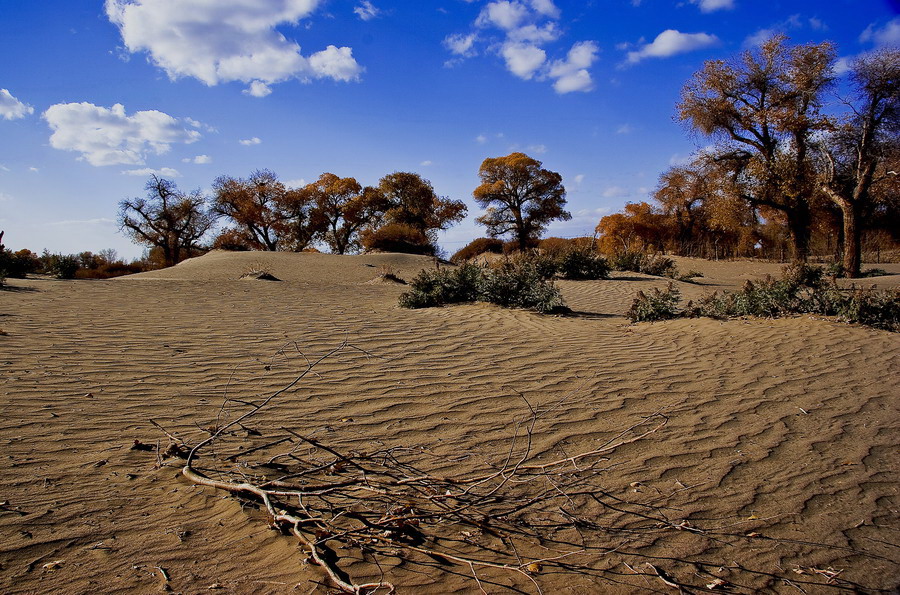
(787, 429)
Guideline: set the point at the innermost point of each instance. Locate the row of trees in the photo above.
(402, 213)
(784, 164)
(262, 213)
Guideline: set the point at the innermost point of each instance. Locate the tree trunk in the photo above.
(799, 221)
(852, 238)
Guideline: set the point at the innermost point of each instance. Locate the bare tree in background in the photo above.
(167, 218)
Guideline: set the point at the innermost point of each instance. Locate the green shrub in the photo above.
(515, 282)
(803, 289)
(61, 266)
(447, 285)
(582, 264)
(658, 305)
(642, 262)
(521, 283)
(879, 309)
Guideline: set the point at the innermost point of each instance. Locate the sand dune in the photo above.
(782, 428)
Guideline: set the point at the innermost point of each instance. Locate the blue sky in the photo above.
(95, 96)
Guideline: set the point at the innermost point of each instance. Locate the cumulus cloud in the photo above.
(527, 27)
(481, 139)
(227, 40)
(108, 136)
(250, 141)
(163, 172)
(671, 42)
(579, 179)
(461, 45)
(571, 74)
(258, 89)
(366, 10)
(503, 14)
(523, 59)
(199, 159)
(11, 108)
(888, 35)
(713, 5)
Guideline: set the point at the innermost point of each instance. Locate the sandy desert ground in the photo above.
(779, 460)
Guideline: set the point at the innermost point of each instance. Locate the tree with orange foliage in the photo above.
(641, 227)
(411, 200)
(341, 208)
(762, 110)
(253, 204)
(520, 196)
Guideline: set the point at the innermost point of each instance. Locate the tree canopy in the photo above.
(762, 110)
(520, 196)
(167, 218)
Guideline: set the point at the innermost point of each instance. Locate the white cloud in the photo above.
(538, 149)
(6, 198)
(713, 5)
(366, 10)
(336, 63)
(163, 172)
(615, 192)
(461, 45)
(258, 89)
(535, 34)
(295, 183)
(528, 26)
(11, 108)
(107, 136)
(523, 59)
(578, 179)
(481, 139)
(545, 7)
(572, 73)
(888, 35)
(843, 65)
(199, 159)
(624, 129)
(226, 40)
(503, 14)
(671, 42)
(250, 141)
(426, 163)
(760, 37)
(33, 169)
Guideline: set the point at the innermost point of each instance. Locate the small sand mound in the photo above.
(259, 276)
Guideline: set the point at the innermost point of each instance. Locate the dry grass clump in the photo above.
(259, 271)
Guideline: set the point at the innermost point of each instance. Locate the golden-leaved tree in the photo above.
(521, 197)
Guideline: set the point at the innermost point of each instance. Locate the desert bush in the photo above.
(582, 264)
(657, 305)
(61, 266)
(521, 283)
(18, 264)
(397, 237)
(440, 286)
(477, 247)
(879, 309)
(515, 282)
(642, 262)
(689, 276)
(803, 289)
